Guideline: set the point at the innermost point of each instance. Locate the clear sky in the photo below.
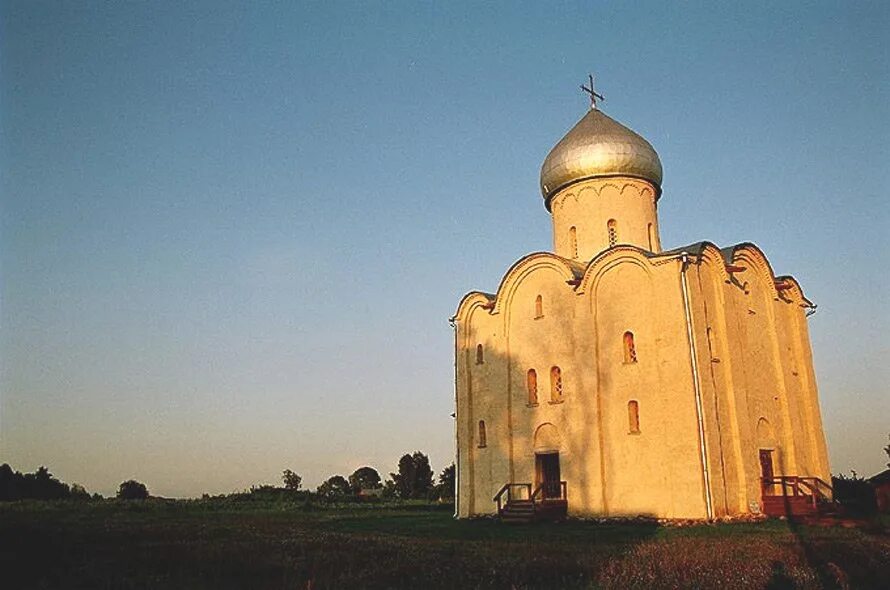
(232, 234)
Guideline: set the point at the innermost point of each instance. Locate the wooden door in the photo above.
(766, 471)
(547, 472)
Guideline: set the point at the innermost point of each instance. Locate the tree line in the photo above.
(41, 485)
(413, 479)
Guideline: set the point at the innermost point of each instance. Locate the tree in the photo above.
(132, 490)
(415, 477)
(389, 489)
(446, 482)
(404, 479)
(364, 478)
(292, 481)
(40, 485)
(855, 494)
(335, 487)
(423, 475)
(10, 483)
(43, 486)
(78, 492)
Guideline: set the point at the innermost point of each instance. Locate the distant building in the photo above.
(650, 381)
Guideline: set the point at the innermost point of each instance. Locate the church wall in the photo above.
(556, 338)
(481, 396)
(587, 206)
(802, 396)
(820, 466)
(657, 471)
(759, 377)
(463, 418)
(760, 393)
(714, 330)
(795, 402)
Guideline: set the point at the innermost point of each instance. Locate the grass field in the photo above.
(163, 544)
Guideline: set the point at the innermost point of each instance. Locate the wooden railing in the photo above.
(813, 488)
(820, 487)
(512, 491)
(550, 490)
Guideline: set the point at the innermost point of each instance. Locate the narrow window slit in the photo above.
(532, 384)
(555, 384)
(630, 350)
(633, 416)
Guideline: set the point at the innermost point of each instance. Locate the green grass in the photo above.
(215, 544)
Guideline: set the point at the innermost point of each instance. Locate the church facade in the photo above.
(625, 379)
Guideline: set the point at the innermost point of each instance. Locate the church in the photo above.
(614, 378)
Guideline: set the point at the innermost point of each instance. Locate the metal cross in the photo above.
(592, 92)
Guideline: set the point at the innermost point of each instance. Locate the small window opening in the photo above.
(633, 416)
(651, 238)
(539, 307)
(532, 383)
(573, 241)
(630, 350)
(555, 384)
(612, 226)
(482, 441)
(480, 356)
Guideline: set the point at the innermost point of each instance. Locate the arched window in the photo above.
(482, 441)
(630, 351)
(555, 384)
(480, 358)
(633, 416)
(573, 241)
(651, 238)
(531, 380)
(612, 226)
(539, 307)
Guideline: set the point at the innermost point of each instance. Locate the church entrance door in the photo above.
(547, 475)
(766, 471)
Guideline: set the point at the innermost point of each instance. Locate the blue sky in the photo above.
(232, 234)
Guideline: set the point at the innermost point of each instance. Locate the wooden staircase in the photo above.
(519, 503)
(797, 497)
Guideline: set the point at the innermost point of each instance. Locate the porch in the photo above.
(522, 503)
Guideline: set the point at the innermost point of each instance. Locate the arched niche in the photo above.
(547, 438)
(766, 438)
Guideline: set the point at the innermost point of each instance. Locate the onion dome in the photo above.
(598, 147)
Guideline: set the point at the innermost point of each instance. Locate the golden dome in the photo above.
(596, 147)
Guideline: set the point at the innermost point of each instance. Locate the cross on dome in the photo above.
(592, 92)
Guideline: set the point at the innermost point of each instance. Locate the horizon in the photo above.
(231, 238)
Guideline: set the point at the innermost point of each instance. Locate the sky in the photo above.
(232, 234)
